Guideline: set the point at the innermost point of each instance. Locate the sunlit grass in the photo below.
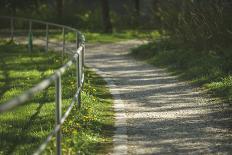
(89, 131)
(23, 129)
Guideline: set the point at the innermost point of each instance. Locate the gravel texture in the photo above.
(163, 115)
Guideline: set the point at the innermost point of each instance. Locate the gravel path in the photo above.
(157, 114)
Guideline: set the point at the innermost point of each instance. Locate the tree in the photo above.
(14, 5)
(60, 8)
(107, 25)
(137, 8)
(137, 12)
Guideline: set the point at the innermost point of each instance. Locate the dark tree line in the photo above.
(107, 25)
(198, 28)
(187, 20)
(60, 8)
(203, 25)
(55, 10)
(13, 5)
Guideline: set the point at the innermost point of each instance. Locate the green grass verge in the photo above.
(94, 37)
(210, 71)
(87, 130)
(90, 130)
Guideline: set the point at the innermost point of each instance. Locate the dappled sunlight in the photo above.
(163, 115)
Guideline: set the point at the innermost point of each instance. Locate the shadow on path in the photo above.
(164, 115)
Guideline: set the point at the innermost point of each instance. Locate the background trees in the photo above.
(199, 24)
(59, 8)
(94, 15)
(202, 25)
(107, 26)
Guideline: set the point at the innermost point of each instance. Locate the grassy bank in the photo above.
(23, 129)
(90, 130)
(211, 71)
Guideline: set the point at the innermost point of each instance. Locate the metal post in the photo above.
(58, 113)
(30, 39)
(78, 68)
(78, 79)
(12, 29)
(77, 40)
(46, 48)
(83, 58)
(63, 45)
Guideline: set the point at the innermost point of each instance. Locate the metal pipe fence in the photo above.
(77, 59)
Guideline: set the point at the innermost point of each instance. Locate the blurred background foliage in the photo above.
(82, 14)
(204, 26)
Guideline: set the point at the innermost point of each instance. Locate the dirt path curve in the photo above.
(157, 114)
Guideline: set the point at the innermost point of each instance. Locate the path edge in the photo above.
(120, 137)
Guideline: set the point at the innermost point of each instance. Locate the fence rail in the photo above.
(77, 59)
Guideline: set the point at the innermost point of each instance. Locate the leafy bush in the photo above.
(202, 25)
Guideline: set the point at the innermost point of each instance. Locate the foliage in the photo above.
(81, 14)
(25, 128)
(200, 25)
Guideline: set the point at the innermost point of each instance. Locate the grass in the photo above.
(87, 130)
(90, 130)
(211, 71)
(94, 37)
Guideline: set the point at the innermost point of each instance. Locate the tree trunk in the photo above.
(107, 25)
(137, 12)
(137, 8)
(60, 8)
(13, 9)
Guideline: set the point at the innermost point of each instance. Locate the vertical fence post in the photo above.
(83, 58)
(77, 40)
(58, 113)
(46, 48)
(78, 68)
(12, 29)
(83, 54)
(30, 39)
(78, 79)
(63, 45)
